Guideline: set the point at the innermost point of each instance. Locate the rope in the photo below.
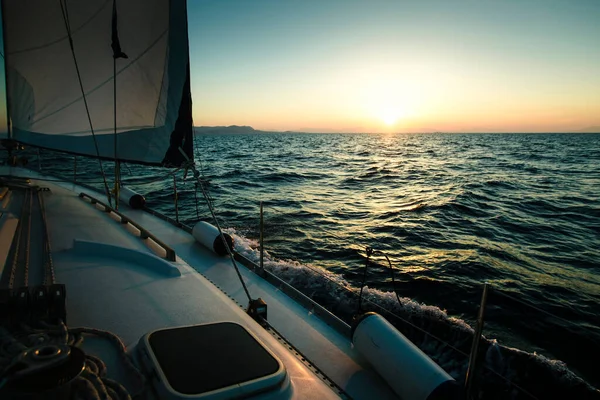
(65, 14)
(118, 344)
(92, 383)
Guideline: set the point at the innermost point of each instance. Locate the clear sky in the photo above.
(387, 66)
(367, 66)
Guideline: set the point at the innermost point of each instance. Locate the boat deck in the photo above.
(118, 282)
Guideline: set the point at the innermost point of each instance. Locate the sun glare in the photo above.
(389, 100)
(390, 116)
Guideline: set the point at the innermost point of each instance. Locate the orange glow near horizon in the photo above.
(404, 98)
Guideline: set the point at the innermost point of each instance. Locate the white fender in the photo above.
(133, 199)
(208, 236)
(407, 370)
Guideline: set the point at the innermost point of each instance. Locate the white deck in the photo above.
(110, 290)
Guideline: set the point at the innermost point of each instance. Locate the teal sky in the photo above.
(400, 65)
(382, 66)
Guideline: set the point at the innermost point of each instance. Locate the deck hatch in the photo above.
(202, 359)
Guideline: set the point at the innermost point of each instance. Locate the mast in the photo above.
(117, 53)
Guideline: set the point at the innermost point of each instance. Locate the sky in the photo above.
(371, 66)
(395, 66)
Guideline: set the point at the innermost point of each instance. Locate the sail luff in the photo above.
(182, 135)
(8, 130)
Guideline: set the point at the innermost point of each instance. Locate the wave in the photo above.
(290, 177)
(412, 206)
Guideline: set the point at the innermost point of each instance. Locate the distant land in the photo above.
(232, 129)
(590, 129)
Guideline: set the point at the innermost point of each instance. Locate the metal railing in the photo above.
(144, 233)
(476, 365)
(473, 366)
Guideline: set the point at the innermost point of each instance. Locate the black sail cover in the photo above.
(149, 42)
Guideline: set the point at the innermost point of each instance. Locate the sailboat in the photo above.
(102, 298)
(99, 299)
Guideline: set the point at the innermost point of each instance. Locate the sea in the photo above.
(442, 214)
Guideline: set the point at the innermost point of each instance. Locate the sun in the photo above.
(390, 115)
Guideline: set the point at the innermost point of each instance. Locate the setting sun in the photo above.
(390, 115)
(387, 98)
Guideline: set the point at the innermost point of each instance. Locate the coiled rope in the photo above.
(92, 383)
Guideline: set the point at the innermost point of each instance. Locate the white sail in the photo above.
(47, 106)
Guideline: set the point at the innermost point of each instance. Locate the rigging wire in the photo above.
(176, 198)
(65, 14)
(211, 209)
(128, 168)
(198, 157)
(214, 216)
(115, 56)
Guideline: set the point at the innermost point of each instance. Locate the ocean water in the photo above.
(450, 211)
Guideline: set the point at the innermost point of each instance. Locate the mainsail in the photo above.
(59, 56)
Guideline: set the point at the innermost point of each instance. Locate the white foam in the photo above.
(313, 276)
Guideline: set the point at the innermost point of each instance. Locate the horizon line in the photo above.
(329, 131)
